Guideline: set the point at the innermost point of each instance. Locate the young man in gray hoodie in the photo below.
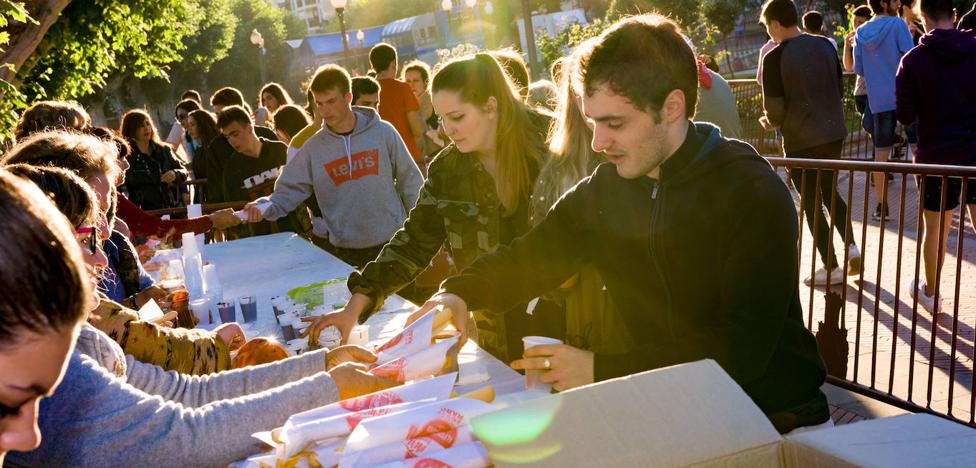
(359, 170)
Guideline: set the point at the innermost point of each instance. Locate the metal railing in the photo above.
(899, 353)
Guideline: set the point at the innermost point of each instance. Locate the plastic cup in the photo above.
(227, 312)
(201, 308)
(532, 381)
(249, 308)
(288, 331)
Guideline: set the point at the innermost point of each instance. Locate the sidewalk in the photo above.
(890, 341)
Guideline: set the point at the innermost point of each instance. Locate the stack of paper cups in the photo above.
(195, 211)
(193, 275)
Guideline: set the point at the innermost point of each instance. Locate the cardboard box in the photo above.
(695, 414)
(909, 440)
(692, 414)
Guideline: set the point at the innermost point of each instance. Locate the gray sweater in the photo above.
(111, 410)
(365, 183)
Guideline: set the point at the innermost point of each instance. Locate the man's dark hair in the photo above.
(937, 9)
(514, 66)
(782, 11)
(233, 114)
(381, 56)
(229, 97)
(813, 21)
(364, 85)
(642, 58)
(863, 11)
(876, 6)
(192, 94)
(188, 105)
(330, 77)
(291, 119)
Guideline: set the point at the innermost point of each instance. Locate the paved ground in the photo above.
(891, 343)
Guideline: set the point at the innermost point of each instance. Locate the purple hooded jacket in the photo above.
(936, 84)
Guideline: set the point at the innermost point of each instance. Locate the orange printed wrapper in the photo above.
(469, 455)
(423, 363)
(446, 416)
(405, 449)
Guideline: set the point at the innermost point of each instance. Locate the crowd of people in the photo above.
(611, 207)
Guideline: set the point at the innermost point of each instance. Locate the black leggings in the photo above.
(805, 181)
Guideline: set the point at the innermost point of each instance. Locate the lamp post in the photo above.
(447, 6)
(258, 41)
(360, 38)
(340, 7)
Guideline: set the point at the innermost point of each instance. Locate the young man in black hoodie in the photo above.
(694, 234)
(935, 85)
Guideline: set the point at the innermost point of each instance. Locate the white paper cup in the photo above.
(201, 308)
(532, 376)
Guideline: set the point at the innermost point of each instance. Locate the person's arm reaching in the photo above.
(293, 187)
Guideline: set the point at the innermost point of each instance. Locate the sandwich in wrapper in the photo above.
(445, 416)
(406, 449)
(415, 337)
(425, 362)
(469, 455)
(292, 434)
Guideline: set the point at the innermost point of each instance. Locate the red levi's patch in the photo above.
(364, 163)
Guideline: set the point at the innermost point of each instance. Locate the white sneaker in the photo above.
(927, 302)
(854, 260)
(822, 278)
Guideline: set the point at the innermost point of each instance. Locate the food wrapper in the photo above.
(150, 311)
(438, 388)
(426, 362)
(297, 437)
(470, 455)
(414, 337)
(405, 449)
(429, 419)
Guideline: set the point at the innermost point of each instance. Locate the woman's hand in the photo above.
(349, 353)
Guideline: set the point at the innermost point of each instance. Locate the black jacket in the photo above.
(701, 265)
(142, 180)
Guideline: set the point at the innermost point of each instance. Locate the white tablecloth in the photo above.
(269, 266)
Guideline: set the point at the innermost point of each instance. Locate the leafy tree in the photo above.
(554, 47)
(722, 14)
(241, 68)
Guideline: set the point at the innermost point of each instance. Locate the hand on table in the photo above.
(569, 367)
(168, 177)
(253, 213)
(349, 353)
(232, 334)
(344, 319)
(452, 303)
(224, 219)
(153, 292)
(353, 380)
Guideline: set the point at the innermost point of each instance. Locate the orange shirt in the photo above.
(396, 99)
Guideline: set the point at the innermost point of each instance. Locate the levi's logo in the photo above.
(364, 163)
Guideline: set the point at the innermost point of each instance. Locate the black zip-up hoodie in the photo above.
(702, 264)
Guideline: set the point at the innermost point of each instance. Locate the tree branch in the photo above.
(24, 38)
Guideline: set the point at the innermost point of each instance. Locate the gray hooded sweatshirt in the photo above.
(365, 183)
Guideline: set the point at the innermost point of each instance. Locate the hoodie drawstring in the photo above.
(348, 141)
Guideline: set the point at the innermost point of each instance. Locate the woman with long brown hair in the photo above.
(476, 196)
(155, 173)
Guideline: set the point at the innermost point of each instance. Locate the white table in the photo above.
(269, 266)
